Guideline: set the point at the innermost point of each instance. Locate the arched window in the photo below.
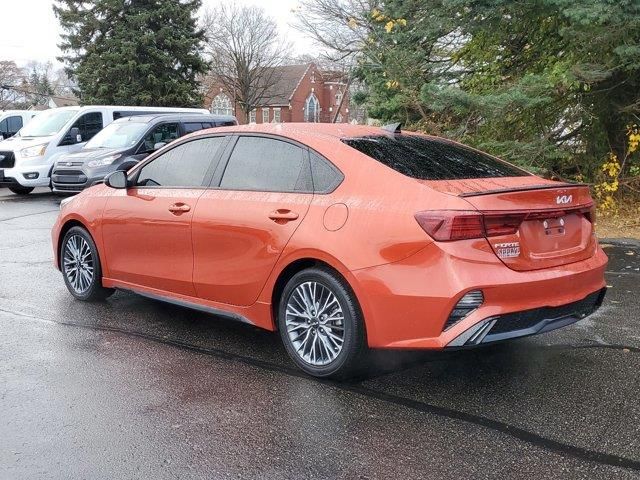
(311, 109)
(221, 105)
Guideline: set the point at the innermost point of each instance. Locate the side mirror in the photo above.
(159, 145)
(4, 135)
(74, 133)
(117, 179)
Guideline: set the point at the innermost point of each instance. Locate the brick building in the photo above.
(302, 94)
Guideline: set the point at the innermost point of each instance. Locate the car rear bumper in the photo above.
(407, 304)
(528, 322)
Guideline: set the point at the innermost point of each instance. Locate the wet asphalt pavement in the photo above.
(134, 388)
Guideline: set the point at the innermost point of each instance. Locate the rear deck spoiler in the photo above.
(545, 186)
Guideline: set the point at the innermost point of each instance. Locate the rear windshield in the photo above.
(431, 159)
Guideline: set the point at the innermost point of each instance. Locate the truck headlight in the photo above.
(35, 151)
(103, 161)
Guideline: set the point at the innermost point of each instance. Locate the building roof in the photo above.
(288, 77)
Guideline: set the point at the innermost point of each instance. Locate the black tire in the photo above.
(21, 190)
(349, 359)
(78, 285)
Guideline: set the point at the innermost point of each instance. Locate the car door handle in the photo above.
(283, 215)
(179, 208)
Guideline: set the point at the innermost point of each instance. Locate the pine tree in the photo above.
(133, 52)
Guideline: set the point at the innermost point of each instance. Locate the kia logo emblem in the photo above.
(564, 199)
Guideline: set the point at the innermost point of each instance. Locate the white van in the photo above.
(26, 159)
(13, 120)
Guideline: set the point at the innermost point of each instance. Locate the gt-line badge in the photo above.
(507, 250)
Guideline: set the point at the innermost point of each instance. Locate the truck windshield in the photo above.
(47, 123)
(118, 135)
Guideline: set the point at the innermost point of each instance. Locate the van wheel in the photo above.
(321, 325)
(21, 190)
(80, 265)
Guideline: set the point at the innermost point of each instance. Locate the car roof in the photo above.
(176, 117)
(294, 130)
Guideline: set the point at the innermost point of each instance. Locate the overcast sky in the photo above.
(29, 29)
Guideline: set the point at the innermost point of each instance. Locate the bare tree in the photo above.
(244, 51)
(11, 77)
(340, 26)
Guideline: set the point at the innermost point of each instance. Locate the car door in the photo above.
(147, 227)
(241, 227)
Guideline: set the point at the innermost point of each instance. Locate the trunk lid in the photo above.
(555, 219)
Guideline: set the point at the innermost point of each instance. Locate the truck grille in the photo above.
(68, 176)
(8, 160)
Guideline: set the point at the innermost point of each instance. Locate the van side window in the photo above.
(10, 126)
(164, 133)
(14, 124)
(88, 125)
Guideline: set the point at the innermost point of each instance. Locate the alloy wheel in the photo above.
(78, 263)
(315, 323)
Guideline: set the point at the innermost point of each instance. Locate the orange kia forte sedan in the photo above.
(340, 237)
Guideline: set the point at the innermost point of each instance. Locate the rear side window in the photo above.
(325, 176)
(183, 166)
(195, 126)
(267, 165)
(432, 159)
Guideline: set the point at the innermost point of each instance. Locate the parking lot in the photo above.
(134, 388)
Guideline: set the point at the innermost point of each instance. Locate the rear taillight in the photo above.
(449, 225)
(499, 224)
(445, 226)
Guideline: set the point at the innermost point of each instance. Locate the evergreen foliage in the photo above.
(133, 52)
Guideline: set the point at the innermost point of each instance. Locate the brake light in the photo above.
(508, 224)
(445, 226)
(449, 225)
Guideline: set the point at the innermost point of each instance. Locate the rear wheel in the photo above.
(320, 324)
(80, 265)
(18, 190)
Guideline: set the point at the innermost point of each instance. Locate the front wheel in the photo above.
(320, 324)
(80, 265)
(19, 190)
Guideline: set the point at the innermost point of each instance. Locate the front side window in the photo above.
(267, 165)
(89, 124)
(427, 158)
(185, 165)
(311, 109)
(164, 133)
(4, 127)
(221, 105)
(14, 124)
